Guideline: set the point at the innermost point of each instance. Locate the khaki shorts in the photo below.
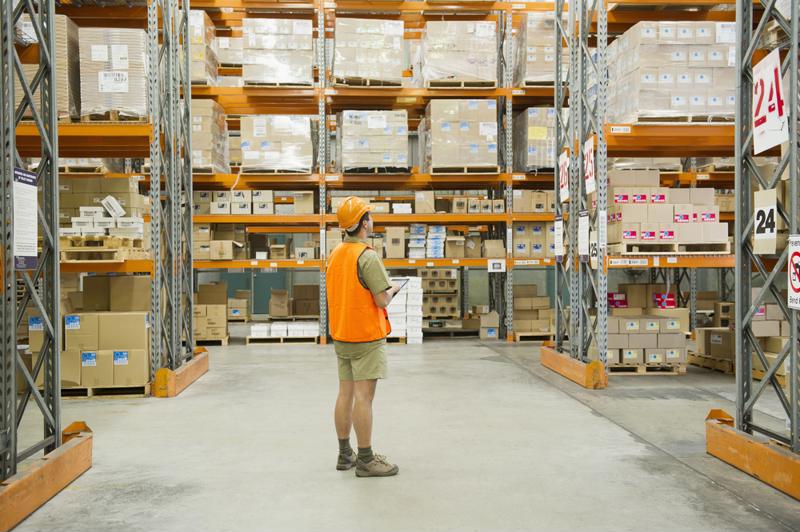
(363, 364)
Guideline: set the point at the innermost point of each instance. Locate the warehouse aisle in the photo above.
(483, 443)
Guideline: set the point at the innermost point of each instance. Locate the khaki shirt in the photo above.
(373, 277)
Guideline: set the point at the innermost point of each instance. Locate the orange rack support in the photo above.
(766, 460)
(170, 383)
(592, 375)
(23, 493)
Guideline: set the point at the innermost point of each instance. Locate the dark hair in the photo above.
(358, 227)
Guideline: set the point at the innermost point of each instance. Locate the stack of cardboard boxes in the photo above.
(459, 134)
(285, 329)
(210, 319)
(219, 242)
(230, 50)
(534, 240)
(535, 54)
(672, 69)
(642, 212)
(277, 142)
(209, 137)
(441, 293)
(489, 322)
(204, 65)
(534, 201)
(239, 306)
(535, 139)
(532, 312)
(113, 71)
(405, 310)
(368, 50)
(277, 51)
(107, 341)
(372, 139)
(305, 300)
(233, 202)
(648, 340)
(456, 51)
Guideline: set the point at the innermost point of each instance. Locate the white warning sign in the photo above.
(793, 268)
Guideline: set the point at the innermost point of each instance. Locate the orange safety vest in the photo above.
(352, 313)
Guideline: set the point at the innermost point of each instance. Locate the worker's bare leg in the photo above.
(362, 411)
(343, 414)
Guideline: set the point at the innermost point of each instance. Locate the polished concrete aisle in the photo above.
(485, 440)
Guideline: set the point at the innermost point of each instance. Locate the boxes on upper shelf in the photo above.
(230, 50)
(459, 51)
(368, 50)
(534, 139)
(535, 55)
(458, 134)
(277, 142)
(204, 65)
(209, 136)
(277, 51)
(372, 139)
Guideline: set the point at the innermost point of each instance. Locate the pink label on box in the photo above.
(708, 216)
(762, 310)
(667, 234)
(648, 235)
(639, 198)
(658, 198)
(682, 218)
(620, 198)
(629, 235)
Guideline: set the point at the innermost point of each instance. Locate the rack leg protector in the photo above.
(766, 460)
(170, 383)
(23, 493)
(592, 375)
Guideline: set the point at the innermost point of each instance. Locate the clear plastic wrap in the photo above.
(230, 50)
(372, 140)
(67, 61)
(277, 51)
(234, 148)
(277, 143)
(459, 51)
(534, 138)
(459, 134)
(368, 50)
(114, 71)
(535, 52)
(209, 137)
(203, 45)
(672, 70)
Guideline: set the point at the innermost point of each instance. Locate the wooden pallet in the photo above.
(106, 391)
(460, 84)
(279, 85)
(113, 116)
(716, 364)
(100, 242)
(212, 341)
(283, 340)
(207, 170)
(98, 169)
(378, 170)
(663, 248)
(395, 339)
(533, 336)
(293, 318)
(534, 83)
(366, 82)
(63, 118)
(759, 375)
(239, 320)
(90, 255)
(271, 171)
(446, 332)
(647, 369)
(685, 119)
(464, 170)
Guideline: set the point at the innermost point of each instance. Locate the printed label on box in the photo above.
(376, 121)
(35, 323)
(488, 129)
(673, 325)
(100, 53)
(632, 325)
(639, 198)
(648, 235)
(119, 56)
(658, 197)
(682, 218)
(120, 358)
(88, 358)
(112, 81)
(620, 198)
(72, 322)
(716, 339)
(629, 235)
(667, 234)
(710, 216)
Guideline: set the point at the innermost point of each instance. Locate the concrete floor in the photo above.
(485, 439)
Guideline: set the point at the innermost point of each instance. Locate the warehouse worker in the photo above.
(358, 293)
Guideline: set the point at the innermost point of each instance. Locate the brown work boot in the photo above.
(346, 461)
(377, 467)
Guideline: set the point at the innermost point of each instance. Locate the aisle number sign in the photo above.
(770, 124)
(563, 176)
(588, 166)
(765, 222)
(793, 277)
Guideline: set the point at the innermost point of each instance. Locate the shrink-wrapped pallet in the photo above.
(456, 53)
(204, 63)
(230, 50)
(277, 143)
(370, 140)
(368, 52)
(534, 139)
(535, 51)
(459, 135)
(277, 52)
(209, 137)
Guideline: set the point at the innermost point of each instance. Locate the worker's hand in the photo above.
(393, 290)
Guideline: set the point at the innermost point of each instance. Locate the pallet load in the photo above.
(305, 300)
(642, 341)
(67, 66)
(533, 240)
(459, 54)
(209, 137)
(533, 200)
(372, 141)
(441, 293)
(534, 52)
(230, 51)
(669, 70)
(239, 306)
(645, 217)
(532, 313)
(277, 52)
(535, 139)
(368, 52)
(459, 136)
(210, 319)
(284, 332)
(276, 143)
(204, 65)
(405, 310)
(219, 241)
(114, 74)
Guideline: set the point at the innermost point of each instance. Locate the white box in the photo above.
(221, 207)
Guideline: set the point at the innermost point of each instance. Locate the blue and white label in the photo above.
(464, 126)
(120, 358)
(445, 126)
(473, 148)
(35, 323)
(72, 322)
(492, 147)
(235, 312)
(245, 144)
(88, 359)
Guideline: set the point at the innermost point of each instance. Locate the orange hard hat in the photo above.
(351, 211)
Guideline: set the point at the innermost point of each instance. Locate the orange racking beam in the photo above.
(670, 261)
(169, 383)
(441, 219)
(670, 140)
(126, 266)
(257, 264)
(591, 375)
(90, 139)
(295, 219)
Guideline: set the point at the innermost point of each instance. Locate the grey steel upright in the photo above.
(46, 274)
(749, 265)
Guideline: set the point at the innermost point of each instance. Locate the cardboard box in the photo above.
(675, 355)
(131, 367)
(643, 341)
(97, 368)
(494, 249)
(130, 293)
(123, 330)
(81, 331)
(498, 206)
(677, 340)
(489, 333)
(279, 303)
(618, 341)
(424, 202)
(455, 247)
(630, 326)
(766, 328)
(654, 356)
(721, 344)
(490, 320)
(395, 242)
(631, 356)
(212, 294)
(96, 292)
